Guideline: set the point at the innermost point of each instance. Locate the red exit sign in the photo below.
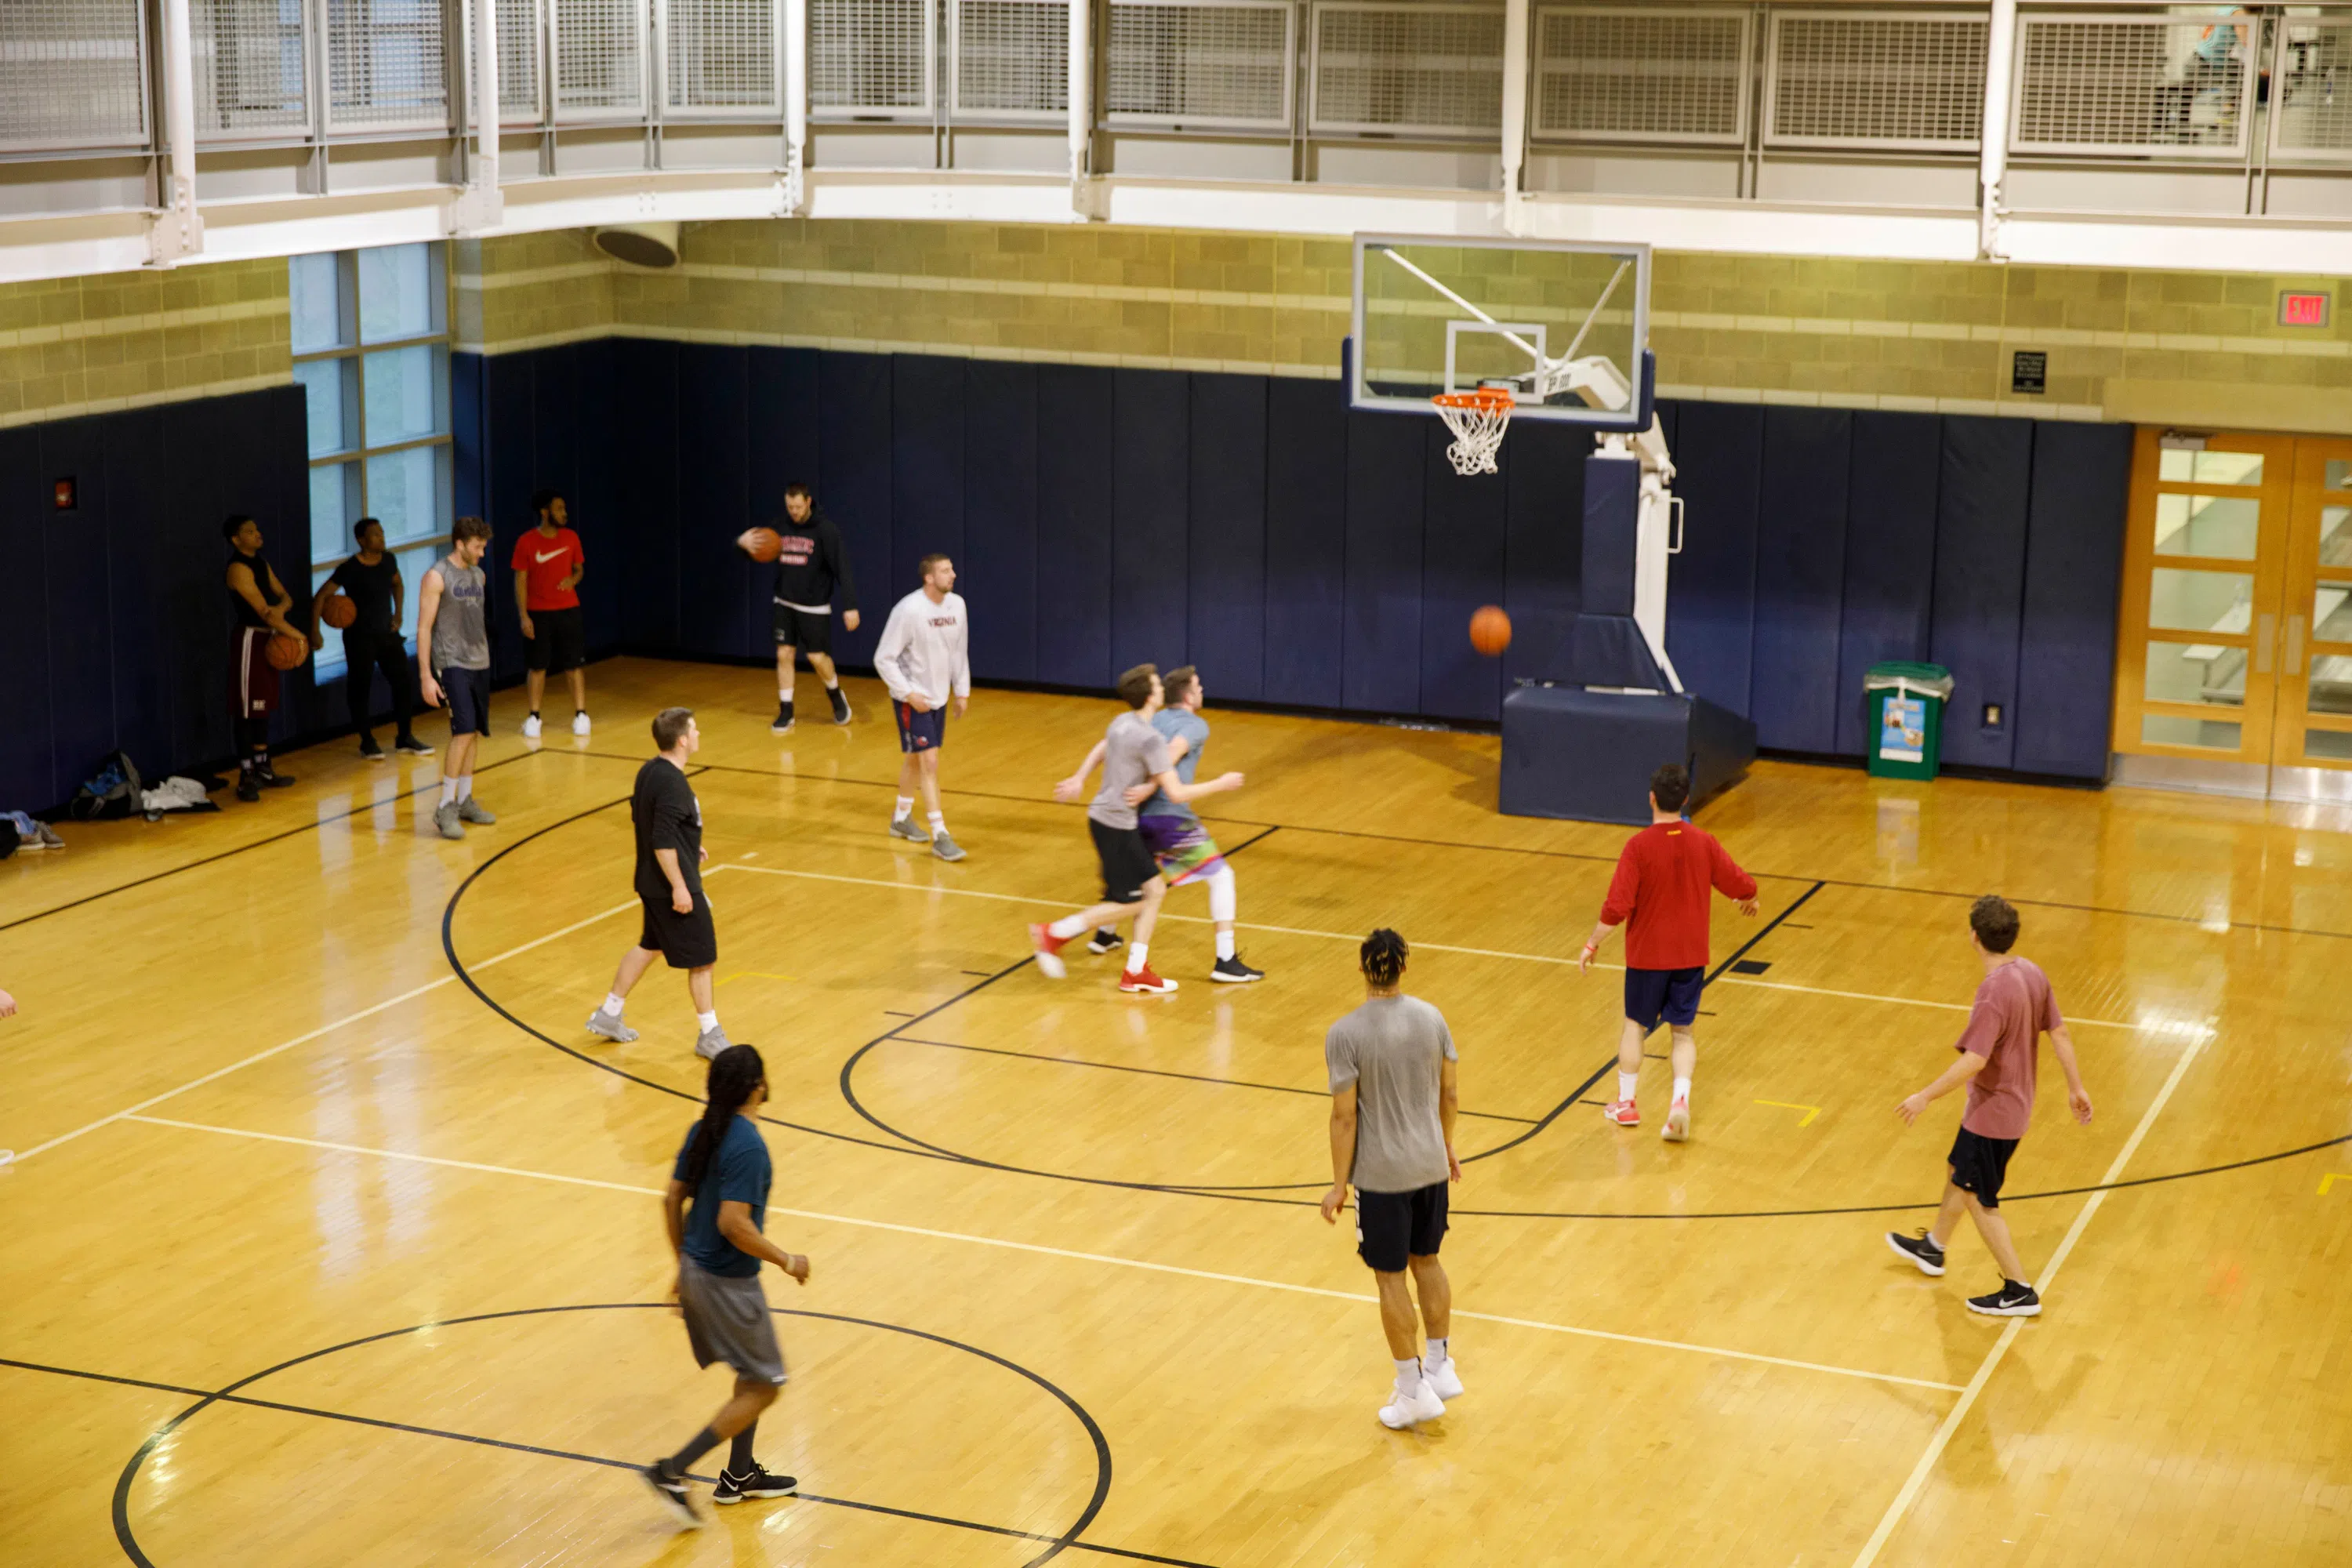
(2302, 309)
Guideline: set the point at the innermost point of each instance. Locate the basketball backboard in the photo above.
(1562, 324)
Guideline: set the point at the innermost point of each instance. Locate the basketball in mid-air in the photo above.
(339, 611)
(1490, 630)
(762, 544)
(285, 653)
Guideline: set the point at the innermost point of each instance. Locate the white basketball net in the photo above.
(1477, 420)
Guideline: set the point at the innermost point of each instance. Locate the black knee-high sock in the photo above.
(700, 1444)
(739, 1457)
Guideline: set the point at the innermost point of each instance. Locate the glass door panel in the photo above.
(2314, 727)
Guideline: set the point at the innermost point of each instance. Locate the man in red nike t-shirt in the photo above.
(548, 565)
(1661, 887)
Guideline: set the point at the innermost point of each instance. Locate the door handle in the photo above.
(2265, 629)
(2295, 644)
(1676, 547)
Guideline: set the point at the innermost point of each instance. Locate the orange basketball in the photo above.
(285, 652)
(1490, 630)
(762, 544)
(340, 612)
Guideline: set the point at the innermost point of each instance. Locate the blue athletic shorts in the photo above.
(1668, 996)
(920, 731)
(468, 693)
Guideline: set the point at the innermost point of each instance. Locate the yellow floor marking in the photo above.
(2330, 1179)
(1810, 1111)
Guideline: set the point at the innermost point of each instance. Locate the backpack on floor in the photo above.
(112, 791)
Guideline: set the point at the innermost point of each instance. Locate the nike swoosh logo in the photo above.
(546, 556)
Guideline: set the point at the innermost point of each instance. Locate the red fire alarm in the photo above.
(2302, 309)
(61, 495)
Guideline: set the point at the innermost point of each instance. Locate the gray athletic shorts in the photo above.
(727, 1320)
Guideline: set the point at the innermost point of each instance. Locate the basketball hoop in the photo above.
(1477, 418)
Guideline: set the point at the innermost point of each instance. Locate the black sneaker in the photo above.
(1920, 1249)
(409, 745)
(249, 788)
(369, 749)
(1233, 971)
(672, 1491)
(1103, 941)
(271, 778)
(758, 1482)
(2014, 1299)
(840, 705)
(784, 719)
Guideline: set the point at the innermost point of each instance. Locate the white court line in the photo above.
(284, 1045)
(1958, 1413)
(1050, 1252)
(1345, 936)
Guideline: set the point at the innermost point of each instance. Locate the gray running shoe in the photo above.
(710, 1042)
(909, 828)
(943, 846)
(609, 1024)
(445, 817)
(49, 839)
(473, 810)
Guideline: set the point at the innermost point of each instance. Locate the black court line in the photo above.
(1054, 1545)
(1163, 1072)
(227, 853)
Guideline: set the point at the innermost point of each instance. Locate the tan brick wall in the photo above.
(121, 339)
(530, 290)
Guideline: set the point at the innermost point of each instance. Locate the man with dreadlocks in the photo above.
(713, 1211)
(1393, 1097)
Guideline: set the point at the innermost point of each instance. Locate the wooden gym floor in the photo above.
(330, 1237)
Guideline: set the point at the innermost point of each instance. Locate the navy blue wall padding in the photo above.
(1613, 527)
(25, 753)
(784, 443)
(1464, 559)
(1306, 540)
(1980, 519)
(2074, 568)
(596, 514)
(926, 478)
(714, 409)
(190, 556)
(470, 449)
(1150, 518)
(140, 505)
(1711, 587)
(1225, 490)
(1543, 474)
(1074, 535)
(1890, 558)
(997, 571)
(1800, 543)
(645, 485)
(1380, 660)
(511, 411)
(74, 551)
(854, 449)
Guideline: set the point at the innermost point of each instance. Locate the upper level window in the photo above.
(371, 333)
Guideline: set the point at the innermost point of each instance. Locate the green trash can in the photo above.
(1906, 717)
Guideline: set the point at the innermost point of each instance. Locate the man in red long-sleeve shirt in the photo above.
(1661, 888)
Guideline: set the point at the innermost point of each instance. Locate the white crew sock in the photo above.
(706, 1022)
(1224, 944)
(1408, 1375)
(1066, 927)
(614, 1003)
(1682, 1089)
(1437, 1353)
(465, 787)
(449, 790)
(905, 809)
(1137, 953)
(1627, 1082)
(939, 823)
(783, 694)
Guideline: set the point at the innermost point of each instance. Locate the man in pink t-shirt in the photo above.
(1999, 1053)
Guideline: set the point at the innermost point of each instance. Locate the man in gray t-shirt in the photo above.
(1393, 1096)
(453, 659)
(1135, 763)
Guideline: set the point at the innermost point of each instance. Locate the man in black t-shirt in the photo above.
(371, 580)
(813, 563)
(677, 925)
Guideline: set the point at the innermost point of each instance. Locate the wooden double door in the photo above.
(2235, 634)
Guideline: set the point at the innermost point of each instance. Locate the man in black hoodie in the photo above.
(811, 563)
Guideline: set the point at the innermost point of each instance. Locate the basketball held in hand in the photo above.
(285, 652)
(1490, 630)
(762, 544)
(340, 612)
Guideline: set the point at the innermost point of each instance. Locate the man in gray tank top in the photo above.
(453, 658)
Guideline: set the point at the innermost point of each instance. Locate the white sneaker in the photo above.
(1442, 1379)
(531, 728)
(1404, 1410)
(579, 722)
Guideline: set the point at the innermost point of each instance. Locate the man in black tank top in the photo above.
(260, 602)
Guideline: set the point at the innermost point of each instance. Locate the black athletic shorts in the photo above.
(1392, 1227)
(799, 629)
(1663, 995)
(561, 643)
(467, 694)
(1980, 1164)
(1127, 862)
(685, 942)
